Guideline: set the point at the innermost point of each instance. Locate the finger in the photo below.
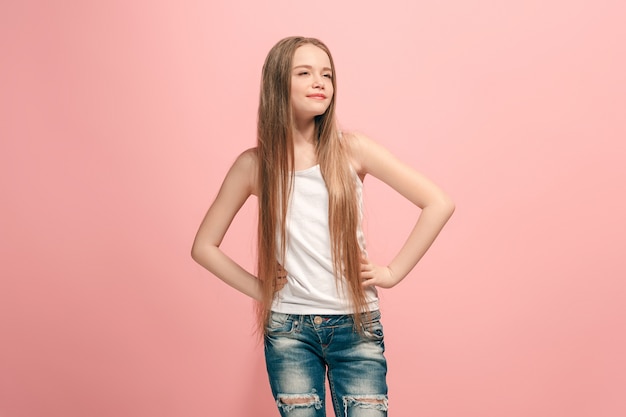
(279, 283)
(367, 275)
(368, 282)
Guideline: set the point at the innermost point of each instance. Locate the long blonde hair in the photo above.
(276, 161)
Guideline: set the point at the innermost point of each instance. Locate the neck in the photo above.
(304, 145)
(303, 132)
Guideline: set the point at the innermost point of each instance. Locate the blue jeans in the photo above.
(300, 349)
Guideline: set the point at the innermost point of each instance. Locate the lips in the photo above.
(318, 96)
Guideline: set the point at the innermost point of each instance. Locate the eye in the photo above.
(303, 73)
(329, 75)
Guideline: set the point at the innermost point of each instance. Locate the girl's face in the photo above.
(311, 82)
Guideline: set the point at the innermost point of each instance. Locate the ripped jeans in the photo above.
(300, 349)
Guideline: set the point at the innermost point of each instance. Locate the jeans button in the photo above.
(318, 320)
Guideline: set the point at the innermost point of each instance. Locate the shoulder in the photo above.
(247, 161)
(245, 167)
(248, 158)
(361, 149)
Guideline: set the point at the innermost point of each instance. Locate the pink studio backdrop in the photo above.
(119, 119)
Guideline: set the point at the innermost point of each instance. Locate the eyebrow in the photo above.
(310, 67)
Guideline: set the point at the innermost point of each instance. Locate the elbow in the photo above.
(196, 252)
(449, 206)
(445, 206)
(203, 253)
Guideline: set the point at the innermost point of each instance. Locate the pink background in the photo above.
(118, 120)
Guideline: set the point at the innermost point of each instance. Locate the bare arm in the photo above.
(436, 208)
(238, 185)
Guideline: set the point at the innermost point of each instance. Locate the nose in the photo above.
(319, 83)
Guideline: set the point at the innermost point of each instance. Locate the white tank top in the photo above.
(311, 286)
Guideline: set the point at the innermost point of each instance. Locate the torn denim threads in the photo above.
(301, 349)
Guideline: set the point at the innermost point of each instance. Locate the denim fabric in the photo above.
(301, 349)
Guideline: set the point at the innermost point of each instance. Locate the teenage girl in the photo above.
(315, 285)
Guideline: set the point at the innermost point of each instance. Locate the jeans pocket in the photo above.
(372, 327)
(279, 323)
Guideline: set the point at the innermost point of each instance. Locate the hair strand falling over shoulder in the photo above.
(275, 152)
